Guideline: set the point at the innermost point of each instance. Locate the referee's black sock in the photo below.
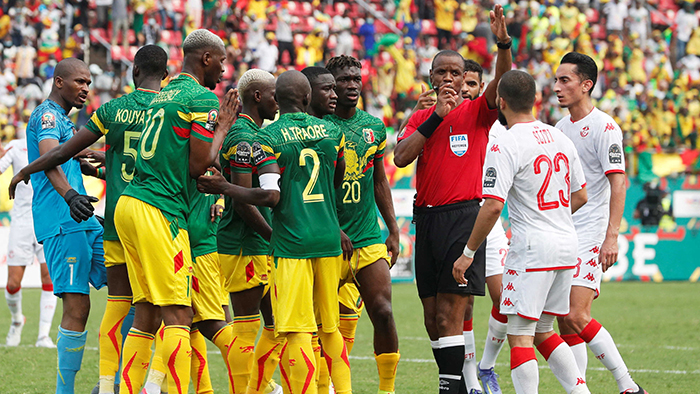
(450, 360)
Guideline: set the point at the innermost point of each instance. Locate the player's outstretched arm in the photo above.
(578, 199)
(250, 215)
(58, 155)
(382, 196)
(217, 184)
(504, 60)
(204, 154)
(488, 215)
(608, 252)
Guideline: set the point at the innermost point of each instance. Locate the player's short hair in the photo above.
(337, 63)
(518, 90)
(585, 66)
(472, 66)
(201, 39)
(252, 76)
(312, 73)
(66, 67)
(446, 52)
(152, 60)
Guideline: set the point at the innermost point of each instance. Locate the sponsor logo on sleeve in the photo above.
(212, 117)
(459, 144)
(258, 153)
(243, 153)
(615, 154)
(48, 120)
(490, 177)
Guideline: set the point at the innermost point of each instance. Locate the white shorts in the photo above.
(22, 245)
(588, 272)
(530, 294)
(496, 250)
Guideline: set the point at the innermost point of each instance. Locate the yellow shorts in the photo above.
(349, 296)
(114, 253)
(208, 293)
(158, 256)
(244, 272)
(361, 258)
(305, 294)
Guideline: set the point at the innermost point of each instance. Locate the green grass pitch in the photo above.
(656, 326)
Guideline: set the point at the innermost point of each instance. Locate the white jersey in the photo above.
(598, 141)
(536, 168)
(16, 157)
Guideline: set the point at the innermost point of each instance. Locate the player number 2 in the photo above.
(150, 121)
(352, 192)
(307, 195)
(556, 166)
(129, 136)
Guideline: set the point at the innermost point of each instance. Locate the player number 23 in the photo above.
(557, 166)
(307, 195)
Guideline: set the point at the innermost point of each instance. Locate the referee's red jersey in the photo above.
(451, 164)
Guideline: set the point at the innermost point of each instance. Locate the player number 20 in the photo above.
(557, 166)
(307, 194)
(352, 192)
(151, 121)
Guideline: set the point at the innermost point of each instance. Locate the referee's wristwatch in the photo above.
(504, 45)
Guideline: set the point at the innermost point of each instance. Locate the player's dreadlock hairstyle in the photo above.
(314, 72)
(151, 60)
(585, 67)
(339, 62)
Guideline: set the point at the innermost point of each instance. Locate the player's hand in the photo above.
(216, 210)
(426, 99)
(608, 253)
(212, 184)
(392, 246)
(228, 110)
(87, 169)
(346, 245)
(92, 156)
(446, 100)
(498, 24)
(20, 177)
(4, 151)
(460, 267)
(80, 205)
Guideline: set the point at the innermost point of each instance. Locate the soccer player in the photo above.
(184, 128)
(305, 240)
(537, 169)
(451, 141)
(121, 122)
(598, 140)
(22, 247)
(71, 236)
(364, 183)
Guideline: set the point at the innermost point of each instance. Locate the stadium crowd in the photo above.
(648, 52)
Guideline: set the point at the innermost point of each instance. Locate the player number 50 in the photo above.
(557, 166)
(307, 195)
(151, 121)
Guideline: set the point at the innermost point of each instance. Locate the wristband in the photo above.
(468, 253)
(101, 172)
(428, 127)
(504, 45)
(70, 194)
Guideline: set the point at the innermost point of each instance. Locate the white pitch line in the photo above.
(623, 345)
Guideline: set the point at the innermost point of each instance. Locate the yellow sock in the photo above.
(199, 369)
(284, 366)
(337, 359)
(222, 339)
(386, 365)
(156, 374)
(266, 359)
(136, 357)
(242, 350)
(347, 328)
(302, 364)
(322, 378)
(111, 339)
(176, 355)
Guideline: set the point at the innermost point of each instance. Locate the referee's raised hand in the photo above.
(447, 99)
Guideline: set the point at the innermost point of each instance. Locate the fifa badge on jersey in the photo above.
(459, 144)
(368, 134)
(584, 132)
(615, 154)
(258, 153)
(490, 177)
(243, 153)
(48, 120)
(212, 117)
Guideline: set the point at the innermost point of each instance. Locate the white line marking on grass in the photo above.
(623, 345)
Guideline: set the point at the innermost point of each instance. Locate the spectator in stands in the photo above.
(445, 11)
(367, 31)
(267, 54)
(686, 22)
(285, 40)
(615, 13)
(120, 22)
(640, 22)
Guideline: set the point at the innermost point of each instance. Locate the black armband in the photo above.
(428, 127)
(504, 45)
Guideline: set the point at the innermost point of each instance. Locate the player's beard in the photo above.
(502, 118)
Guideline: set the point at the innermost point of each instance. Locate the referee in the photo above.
(451, 142)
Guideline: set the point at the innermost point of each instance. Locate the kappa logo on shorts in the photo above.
(595, 250)
(212, 117)
(589, 277)
(258, 153)
(615, 154)
(592, 262)
(512, 272)
(368, 135)
(48, 120)
(508, 302)
(243, 153)
(509, 287)
(459, 144)
(490, 177)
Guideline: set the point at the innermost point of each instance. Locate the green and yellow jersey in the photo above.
(200, 228)
(365, 141)
(234, 236)
(305, 223)
(182, 110)
(121, 121)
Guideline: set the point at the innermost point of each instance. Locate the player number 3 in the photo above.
(557, 166)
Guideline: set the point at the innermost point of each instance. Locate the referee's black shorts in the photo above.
(441, 234)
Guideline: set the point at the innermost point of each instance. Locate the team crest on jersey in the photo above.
(615, 154)
(368, 134)
(490, 177)
(459, 144)
(243, 153)
(212, 116)
(584, 132)
(258, 153)
(48, 120)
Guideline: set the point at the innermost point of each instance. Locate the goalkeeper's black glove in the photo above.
(80, 206)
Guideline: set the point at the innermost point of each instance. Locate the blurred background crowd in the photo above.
(648, 53)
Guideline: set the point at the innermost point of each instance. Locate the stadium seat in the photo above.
(131, 53)
(428, 27)
(117, 53)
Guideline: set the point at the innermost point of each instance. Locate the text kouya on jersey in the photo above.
(536, 168)
(121, 121)
(306, 149)
(598, 140)
(365, 142)
(182, 110)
